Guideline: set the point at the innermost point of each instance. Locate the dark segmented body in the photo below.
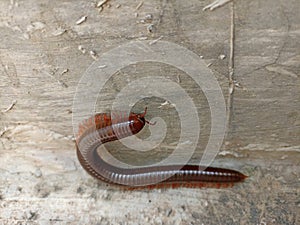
(102, 128)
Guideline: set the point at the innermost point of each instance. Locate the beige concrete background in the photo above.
(43, 54)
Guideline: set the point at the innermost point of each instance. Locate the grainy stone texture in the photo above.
(41, 63)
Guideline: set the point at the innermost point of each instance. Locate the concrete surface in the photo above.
(41, 63)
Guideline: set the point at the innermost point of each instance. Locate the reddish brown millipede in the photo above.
(101, 128)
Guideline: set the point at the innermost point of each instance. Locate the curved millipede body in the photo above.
(102, 128)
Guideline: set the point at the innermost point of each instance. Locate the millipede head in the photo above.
(142, 117)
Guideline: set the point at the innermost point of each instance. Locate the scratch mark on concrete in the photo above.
(231, 70)
(216, 4)
(10, 69)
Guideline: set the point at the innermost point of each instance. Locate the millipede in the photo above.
(102, 128)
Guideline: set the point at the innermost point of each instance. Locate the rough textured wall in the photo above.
(45, 48)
